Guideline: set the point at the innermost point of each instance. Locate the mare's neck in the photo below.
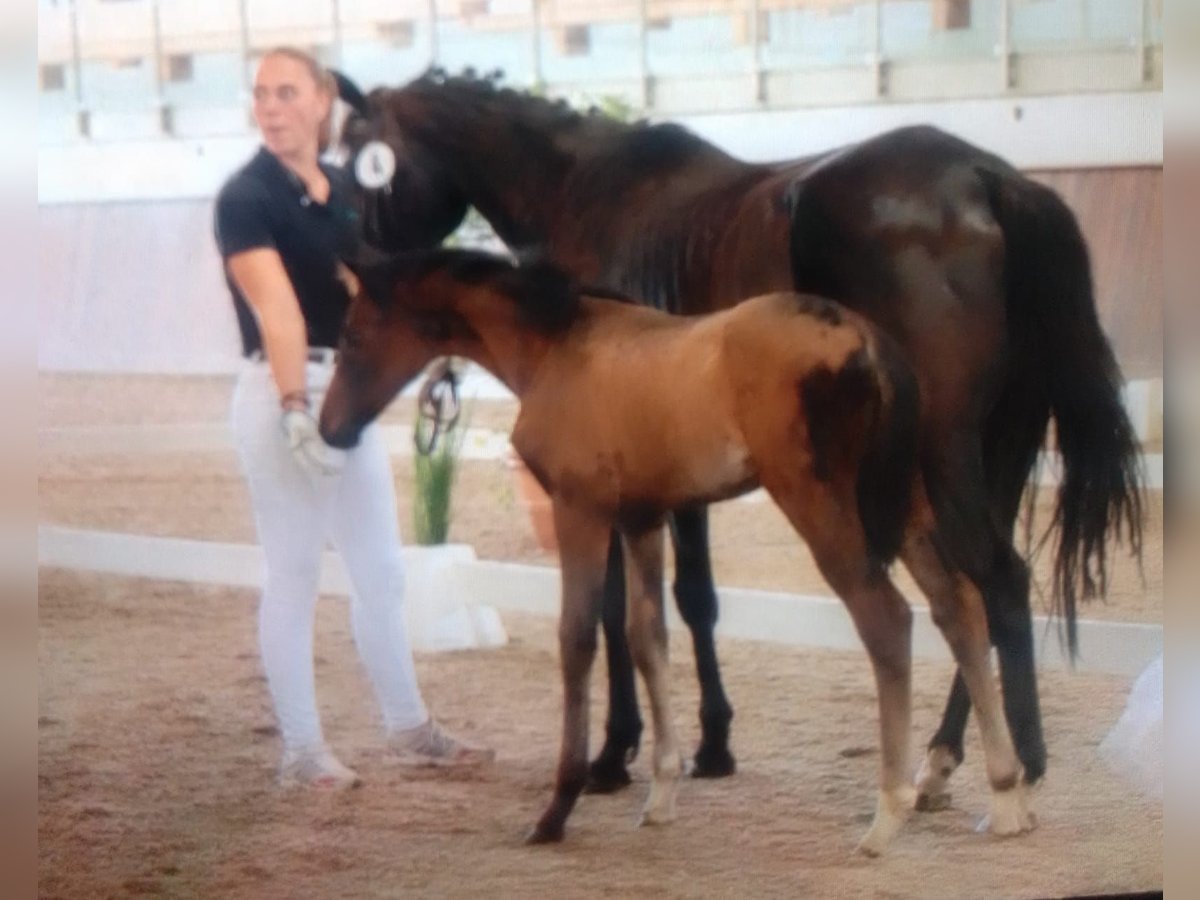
(511, 155)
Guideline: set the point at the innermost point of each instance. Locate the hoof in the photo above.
(656, 817)
(891, 813)
(933, 802)
(713, 762)
(648, 820)
(606, 776)
(1010, 814)
(871, 848)
(933, 776)
(542, 833)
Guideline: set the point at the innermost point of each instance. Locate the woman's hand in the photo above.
(310, 451)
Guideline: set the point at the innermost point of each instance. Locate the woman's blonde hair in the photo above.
(324, 80)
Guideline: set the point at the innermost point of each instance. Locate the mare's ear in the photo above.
(351, 93)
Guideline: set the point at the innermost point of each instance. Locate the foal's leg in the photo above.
(648, 642)
(696, 597)
(884, 622)
(583, 550)
(957, 609)
(623, 729)
(945, 751)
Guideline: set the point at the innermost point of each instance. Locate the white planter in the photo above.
(439, 613)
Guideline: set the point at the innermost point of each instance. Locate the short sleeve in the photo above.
(242, 220)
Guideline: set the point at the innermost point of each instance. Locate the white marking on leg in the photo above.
(891, 812)
(1010, 813)
(933, 777)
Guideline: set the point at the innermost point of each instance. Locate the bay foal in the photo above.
(787, 391)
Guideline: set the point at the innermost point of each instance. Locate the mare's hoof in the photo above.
(933, 802)
(1010, 814)
(713, 762)
(607, 776)
(544, 834)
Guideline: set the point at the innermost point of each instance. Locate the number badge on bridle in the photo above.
(375, 166)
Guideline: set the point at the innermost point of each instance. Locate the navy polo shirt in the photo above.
(264, 204)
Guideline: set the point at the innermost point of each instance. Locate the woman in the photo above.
(282, 221)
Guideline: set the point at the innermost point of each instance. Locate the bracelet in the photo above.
(288, 400)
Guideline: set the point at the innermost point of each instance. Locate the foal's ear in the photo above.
(547, 296)
(376, 273)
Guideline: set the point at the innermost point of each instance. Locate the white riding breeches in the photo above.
(295, 513)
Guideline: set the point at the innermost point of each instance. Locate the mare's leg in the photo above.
(583, 549)
(884, 622)
(1010, 621)
(696, 597)
(648, 641)
(1003, 577)
(956, 605)
(623, 730)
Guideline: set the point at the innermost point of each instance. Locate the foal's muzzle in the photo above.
(344, 436)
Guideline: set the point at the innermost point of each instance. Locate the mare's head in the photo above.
(409, 199)
(526, 162)
(412, 309)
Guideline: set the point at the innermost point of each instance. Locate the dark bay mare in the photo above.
(980, 274)
(787, 391)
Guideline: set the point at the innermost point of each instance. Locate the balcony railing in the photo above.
(114, 68)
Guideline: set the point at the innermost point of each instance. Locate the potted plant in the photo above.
(433, 480)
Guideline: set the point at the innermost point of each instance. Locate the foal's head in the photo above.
(412, 309)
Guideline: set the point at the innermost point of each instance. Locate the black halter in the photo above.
(438, 404)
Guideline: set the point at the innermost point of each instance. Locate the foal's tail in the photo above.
(889, 462)
(863, 419)
(1061, 364)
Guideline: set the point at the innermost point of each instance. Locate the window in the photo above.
(179, 67)
(574, 40)
(399, 33)
(53, 77)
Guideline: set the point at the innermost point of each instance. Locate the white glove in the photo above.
(304, 440)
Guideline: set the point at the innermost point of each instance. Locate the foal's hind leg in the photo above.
(648, 643)
(945, 751)
(884, 622)
(696, 597)
(623, 729)
(957, 609)
(583, 549)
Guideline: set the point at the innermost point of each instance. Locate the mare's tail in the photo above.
(1061, 364)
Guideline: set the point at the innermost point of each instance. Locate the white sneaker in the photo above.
(316, 768)
(429, 745)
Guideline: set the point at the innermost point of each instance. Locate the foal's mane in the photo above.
(547, 298)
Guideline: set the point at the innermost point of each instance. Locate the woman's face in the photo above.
(289, 107)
